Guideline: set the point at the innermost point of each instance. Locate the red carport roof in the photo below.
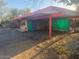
(46, 12)
(42, 16)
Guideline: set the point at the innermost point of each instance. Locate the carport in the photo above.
(53, 12)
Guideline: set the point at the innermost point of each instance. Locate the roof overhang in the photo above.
(45, 13)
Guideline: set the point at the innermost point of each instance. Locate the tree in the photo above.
(14, 12)
(2, 3)
(25, 11)
(2, 6)
(69, 2)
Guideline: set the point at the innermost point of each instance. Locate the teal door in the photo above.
(29, 24)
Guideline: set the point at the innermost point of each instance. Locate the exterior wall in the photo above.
(38, 24)
(60, 24)
(77, 24)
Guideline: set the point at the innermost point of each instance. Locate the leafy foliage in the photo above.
(2, 6)
(69, 2)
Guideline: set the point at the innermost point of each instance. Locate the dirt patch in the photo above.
(57, 49)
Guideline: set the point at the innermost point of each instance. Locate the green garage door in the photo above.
(61, 24)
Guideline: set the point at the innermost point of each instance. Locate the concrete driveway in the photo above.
(13, 42)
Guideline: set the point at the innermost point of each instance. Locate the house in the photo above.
(50, 17)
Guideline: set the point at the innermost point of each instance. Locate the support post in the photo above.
(50, 27)
(73, 24)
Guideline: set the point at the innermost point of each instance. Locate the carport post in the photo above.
(50, 22)
(50, 26)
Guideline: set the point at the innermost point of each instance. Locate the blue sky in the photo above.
(29, 4)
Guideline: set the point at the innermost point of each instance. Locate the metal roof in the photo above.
(46, 12)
